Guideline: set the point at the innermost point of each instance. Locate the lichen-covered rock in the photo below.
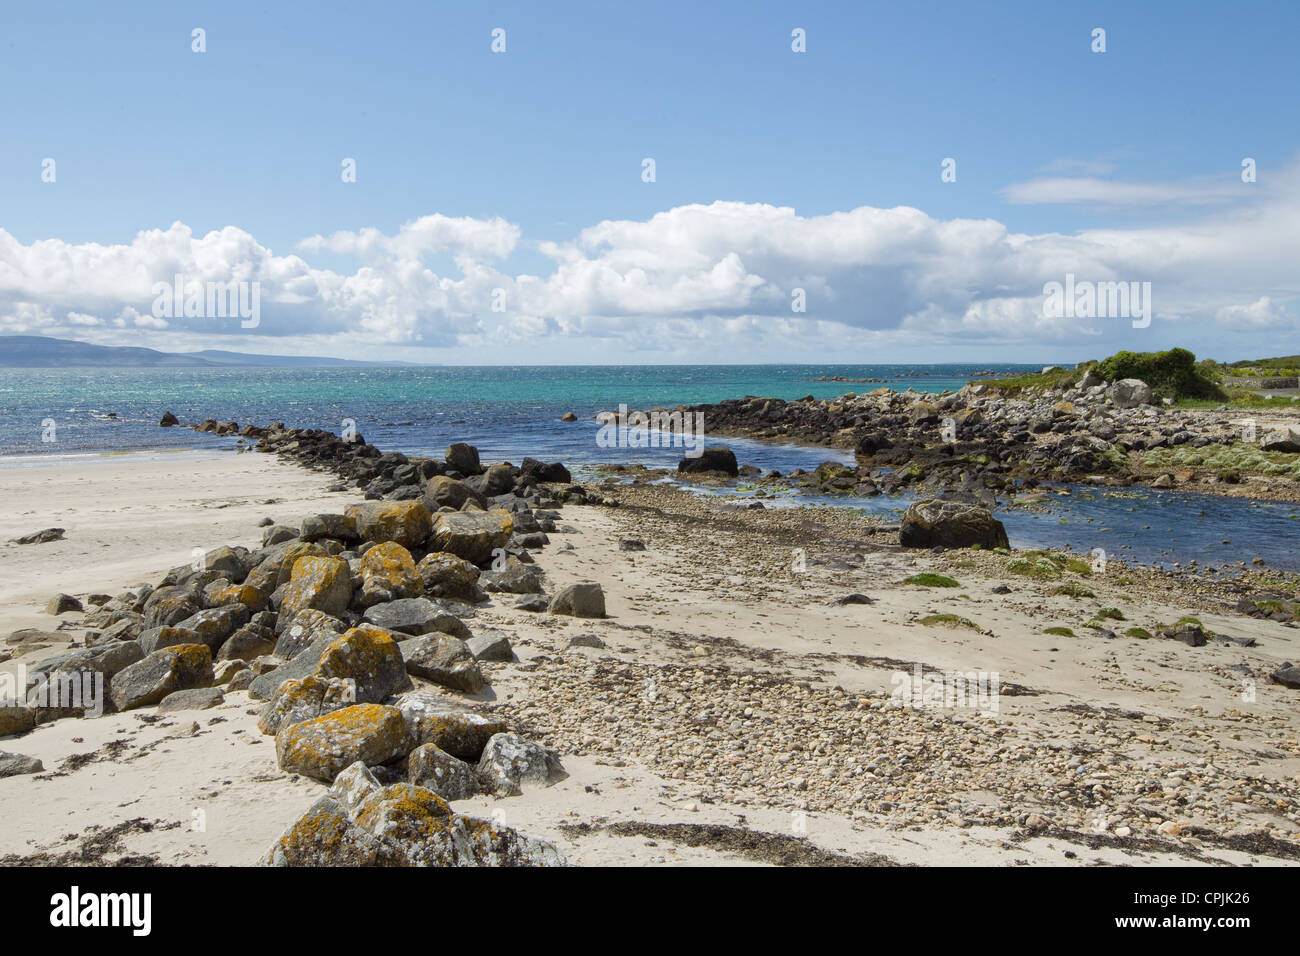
(353, 785)
(324, 746)
(216, 624)
(443, 659)
(472, 535)
(447, 576)
(305, 699)
(324, 836)
(282, 562)
(368, 656)
(585, 599)
(302, 629)
(462, 734)
(388, 574)
(937, 523)
(228, 562)
(406, 522)
(509, 762)
(339, 527)
(324, 584)
(416, 616)
(169, 605)
(251, 597)
(248, 643)
(272, 672)
(516, 578)
(156, 638)
(447, 776)
(148, 681)
(198, 698)
(443, 492)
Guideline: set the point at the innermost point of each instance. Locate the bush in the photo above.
(1171, 374)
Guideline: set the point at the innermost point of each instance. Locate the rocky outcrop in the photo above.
(938, 523)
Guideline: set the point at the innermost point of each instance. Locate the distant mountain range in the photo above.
(41, 351)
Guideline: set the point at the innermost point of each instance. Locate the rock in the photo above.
(515, 578)
(62, 603)
(353, 785)
(241, 680)
(939, 523)
(222, 671)
(388, 574)
(443, 492)
(324, 584)
(215, 625)
(586, 640)
(1288, 675)
(536, 603)
(490, 646)
(416, 616)
(228, 562)
(1189, 634)
(714, 458)
(472, 535)
(852, 599)
(156, 638)
(437, 770)
(568, 417)
(305, 699)
(199, 698)
(278, 534)
(444, 660)
(148, 681)
(324, 836)
(369, 656)
(497, 480)
(247, 595)
(445, 575)
(462, 734)
(338, 527)
(542, 473)
(1165, 480)
(168, 420)
(630, 544)
(169, 605)
(44, 536)
(406, 522)
(509, 761)
(303, 630)
(13, 765)
(324, 746)
(249, 642)
(302, 664)
(463, 458)
(1281, 439)
(585, 599)
(16, 719)
(1130, 393)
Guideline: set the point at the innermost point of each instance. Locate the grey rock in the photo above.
(199, 698)
(509, 762)
(585, 599)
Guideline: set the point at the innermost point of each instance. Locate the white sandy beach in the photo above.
(704, 602)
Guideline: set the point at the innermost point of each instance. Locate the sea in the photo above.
(510, 412)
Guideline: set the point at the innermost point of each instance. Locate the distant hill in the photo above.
(42, 351)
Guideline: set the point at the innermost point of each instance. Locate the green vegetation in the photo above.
(1040, 568)
(1141, 633)
(1171, 374)
(1059, 631)
(1240, 458)
(1057, 378)
(929, 580)
(1073, 589)
(1111, 613)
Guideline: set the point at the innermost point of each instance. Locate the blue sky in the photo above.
(1141, 144)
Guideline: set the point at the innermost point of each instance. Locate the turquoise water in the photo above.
(510, 412)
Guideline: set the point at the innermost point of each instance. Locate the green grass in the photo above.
(1111, 614)
(1242, 458)
(929, 580)
(948, 620)
(1059, 631)
(1072, 589)
(1141, 633)
(1038, 568)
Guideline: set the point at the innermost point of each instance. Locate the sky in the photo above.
(905, 188)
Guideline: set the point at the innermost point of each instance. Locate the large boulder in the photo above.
(324, 584)
(462, 734)
(148, 681)
(323, 746)
(388, 573)
(305, 699)
(369, 657)
(415, 616)
(1130, 393)
(169, 605)
(714, 458)
(302, 629)
(437, 770)
(515, 578)
(443, 659)
(1281, 439)
(216, 624)
(447, 576)
(303, 663)
(508, 762)
(443, 492)
(585, 599)
(472, 535)
(406, 522)
(248, 643)
(463, 458)
(324, 836)
(282, 561)
(938, 523)
(553, 473)
(339, 527)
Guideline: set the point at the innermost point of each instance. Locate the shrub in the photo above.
(1171, 374)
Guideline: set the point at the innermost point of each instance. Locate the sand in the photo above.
(713, 598)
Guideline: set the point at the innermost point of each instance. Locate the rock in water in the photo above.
(714, 458)
(168, 420)
(937, 523)
(463, 458)
(324, 746)
(585, 599)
